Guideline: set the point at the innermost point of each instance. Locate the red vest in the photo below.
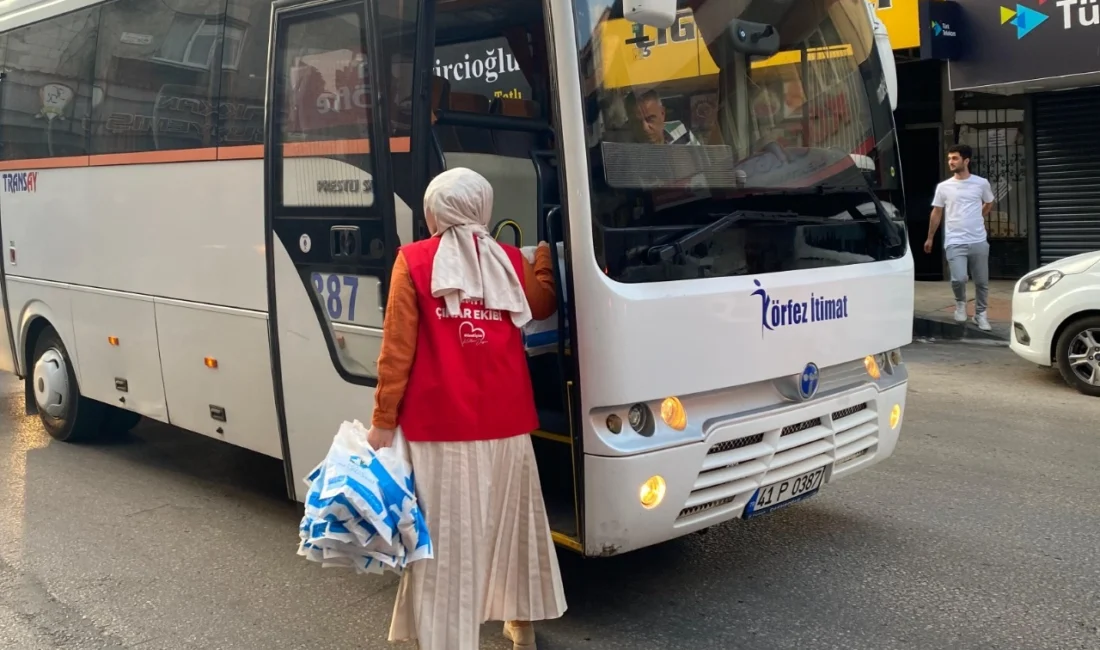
(469, 378)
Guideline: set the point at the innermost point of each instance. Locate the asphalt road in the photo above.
(983, 531)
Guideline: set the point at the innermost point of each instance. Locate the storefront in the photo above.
(1038, 66)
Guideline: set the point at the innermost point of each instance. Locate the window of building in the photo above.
(48, 94)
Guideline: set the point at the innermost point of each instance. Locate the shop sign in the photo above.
(940, 22)
(1026, 41)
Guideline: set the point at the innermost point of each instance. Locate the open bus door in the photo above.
(331, 219)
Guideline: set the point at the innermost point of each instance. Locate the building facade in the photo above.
(1020, 83)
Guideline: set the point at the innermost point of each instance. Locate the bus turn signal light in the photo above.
(673, 413)
(895, 416)
(872, 367)
(211, 362)
(113, 340)
(652, 492)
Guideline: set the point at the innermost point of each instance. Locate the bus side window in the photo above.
(156, 79)
(49, 67)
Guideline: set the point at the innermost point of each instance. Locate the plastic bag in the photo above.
(541, 337)
(361, 510)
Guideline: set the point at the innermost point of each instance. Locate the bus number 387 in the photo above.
(337, 294)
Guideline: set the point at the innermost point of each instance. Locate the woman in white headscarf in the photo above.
(452, 374)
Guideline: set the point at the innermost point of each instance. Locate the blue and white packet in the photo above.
(361, 510)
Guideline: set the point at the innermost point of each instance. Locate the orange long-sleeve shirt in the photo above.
(403, 318)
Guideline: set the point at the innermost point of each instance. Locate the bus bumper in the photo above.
(709, 482)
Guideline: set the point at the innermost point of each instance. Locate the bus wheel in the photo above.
(65, 415)
(118, 420)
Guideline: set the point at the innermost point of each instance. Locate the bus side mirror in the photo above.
(652, 13)
(754, 39)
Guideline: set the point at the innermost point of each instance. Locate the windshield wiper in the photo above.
(667, 251)
(889, 228)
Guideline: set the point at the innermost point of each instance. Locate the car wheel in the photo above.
(65, 414)
(1078, 353)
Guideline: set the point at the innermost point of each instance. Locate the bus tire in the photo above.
(66, 415)
(118, 420)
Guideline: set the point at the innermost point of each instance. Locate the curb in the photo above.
(932, 328)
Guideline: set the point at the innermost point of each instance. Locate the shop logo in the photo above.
(1023, 19)
(1088, 13)
(942, 29)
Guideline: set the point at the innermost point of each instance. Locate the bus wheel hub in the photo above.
(51, 383)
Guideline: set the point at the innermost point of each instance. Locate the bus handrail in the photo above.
(493, 122)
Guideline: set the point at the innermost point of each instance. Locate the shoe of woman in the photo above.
(522, 635)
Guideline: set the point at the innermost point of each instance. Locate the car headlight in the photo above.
(1040, 281)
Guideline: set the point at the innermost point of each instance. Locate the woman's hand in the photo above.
(545, 245)
(380, 438)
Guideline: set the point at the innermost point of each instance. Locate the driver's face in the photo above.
(652, 116)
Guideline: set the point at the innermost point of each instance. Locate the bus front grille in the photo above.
(733, 469)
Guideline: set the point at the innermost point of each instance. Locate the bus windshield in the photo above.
(683, 131)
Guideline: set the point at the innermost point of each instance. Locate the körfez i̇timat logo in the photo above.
(1024, 19)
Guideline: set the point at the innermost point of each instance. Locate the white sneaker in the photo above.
(982, 321)
(960, 312)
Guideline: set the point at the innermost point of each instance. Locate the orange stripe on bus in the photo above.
(155, 157)
(45, 163)
(340, 147)
(244, 152)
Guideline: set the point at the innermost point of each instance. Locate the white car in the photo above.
(1056, 319)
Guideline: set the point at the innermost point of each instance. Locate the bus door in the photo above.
(331, 216)
(8, 357)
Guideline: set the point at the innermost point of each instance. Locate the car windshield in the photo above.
(684, 128)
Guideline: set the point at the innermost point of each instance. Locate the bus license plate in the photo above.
(784, 493)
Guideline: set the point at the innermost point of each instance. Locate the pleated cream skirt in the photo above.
(494, 559)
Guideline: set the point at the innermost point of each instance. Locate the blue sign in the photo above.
(940, 21)
(777, 313)
(808, 381)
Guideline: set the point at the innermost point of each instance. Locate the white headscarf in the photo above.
(470, 264)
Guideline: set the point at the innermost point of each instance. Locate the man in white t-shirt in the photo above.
(966, 199)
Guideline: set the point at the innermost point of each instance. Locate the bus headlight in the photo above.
(871, 365)
(652, 492)
(614, 423)
(638, 416)
(673, 413)
(895, 416)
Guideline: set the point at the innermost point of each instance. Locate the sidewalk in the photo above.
(934, 311)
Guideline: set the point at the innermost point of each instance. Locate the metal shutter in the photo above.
(1067, 173)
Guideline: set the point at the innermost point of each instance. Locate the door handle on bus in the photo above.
(344, 242)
